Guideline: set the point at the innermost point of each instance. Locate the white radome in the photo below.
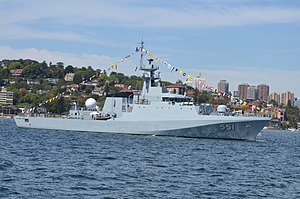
(222, 109)
(90, 103)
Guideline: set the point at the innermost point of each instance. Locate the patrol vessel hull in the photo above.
(221, 127)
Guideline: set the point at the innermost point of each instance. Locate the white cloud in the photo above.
(18, 32)
(73, 20)
(78, 60)
(176, 14)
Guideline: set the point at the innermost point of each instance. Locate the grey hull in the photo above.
(242, 131)
(209, 127)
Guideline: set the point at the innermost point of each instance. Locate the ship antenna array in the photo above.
(142, 53)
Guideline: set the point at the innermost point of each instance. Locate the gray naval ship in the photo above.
(150, 112)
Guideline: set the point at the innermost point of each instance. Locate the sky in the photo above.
(241, 41)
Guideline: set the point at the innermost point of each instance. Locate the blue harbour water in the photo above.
(58, 164)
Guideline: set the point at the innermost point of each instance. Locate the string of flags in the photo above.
(90, 79)
(52, 99)
(125, 58)
(171, 67)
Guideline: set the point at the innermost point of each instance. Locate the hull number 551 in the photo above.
(227, 127)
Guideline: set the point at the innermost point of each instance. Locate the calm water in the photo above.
(57, 164)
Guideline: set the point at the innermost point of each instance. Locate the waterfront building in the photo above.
(251, 93)
(263, 92)
(69, 77)
(223, 86)
(199, 83)
(176, 89)
(6, 98)
(274, 96)
(286, 98)
(242, 90)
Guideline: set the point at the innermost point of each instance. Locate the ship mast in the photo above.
(149, 75)
(142, 54)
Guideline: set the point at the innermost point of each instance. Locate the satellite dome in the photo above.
(222, 108)
(90, 103)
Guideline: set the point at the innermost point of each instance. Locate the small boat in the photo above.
(292, 129)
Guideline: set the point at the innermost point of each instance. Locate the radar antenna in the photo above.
(142, 53)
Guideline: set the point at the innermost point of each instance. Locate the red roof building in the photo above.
(176, 89)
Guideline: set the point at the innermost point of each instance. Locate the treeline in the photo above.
(47, 81)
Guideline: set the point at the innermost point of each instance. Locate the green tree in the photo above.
(106, 89)
(57, 106)
(31, 98)
(4, 73)
(204, 97)
(96, 97)
(83, 74)
(21, 84)
(32, 71)
(15, 65)
(102, 80)
(88, 89)
(117, 77)
(274, 103)
(78, 78)
(293, 115)
(133, 81)
(56, 71)
(60, 65)
(2, 82)
(69, 69)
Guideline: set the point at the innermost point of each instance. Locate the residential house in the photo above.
(72, 87)
(98, 91)
(16, 72)
(53, 80)
(32, 82)
(69, 77)
(176, 89)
